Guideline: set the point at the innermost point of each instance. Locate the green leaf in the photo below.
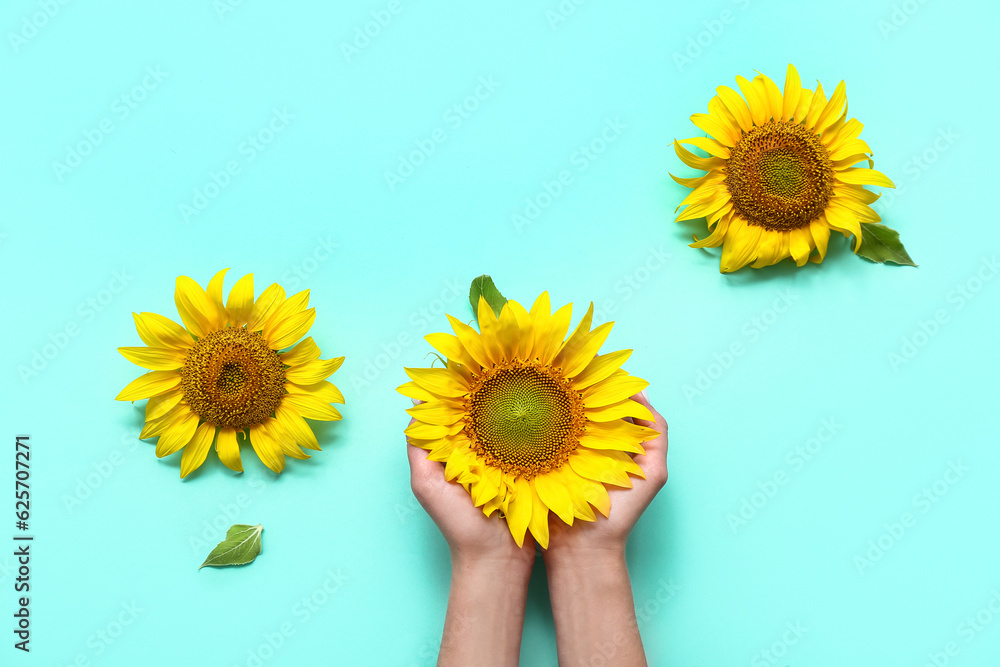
(881, 244)
(483, 286)
(241, 546)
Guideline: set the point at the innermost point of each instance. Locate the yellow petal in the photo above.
(197, 311)
(799, 245)
(290, 329)
(265, 305)
(439, 381)
(771, 94)
(740, 246)
(816, 106)
(431, 431)
(556, 497)
(149, 384)
(539, 522)
(159, 331)
(323, 390)
(710, 146)
(268, 450)
(692, 160)
(240, 301)
(311, 407)
(214, 292)
(821, 236)
(161, 404)
(620, 430)
(296, 427)
(863, 176)
(573, 483)
(519, 509)
(471, 341)
(793, 89)
(626, 408)
(435, 412)
(612, 390)
(196, 450)
(228, 448)
(758, 106)
(600, 367)
(177, 435)
(284, 440)
(307, 350)
(158, 425)
(736, 106)
(414, 390)
(313, 371)
(831, 112)
(550, 334)
(599, 467)
(451, 348)
(575, 360)
(154, 358)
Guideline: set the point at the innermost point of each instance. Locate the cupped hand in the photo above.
(627, 505)
(470, 534)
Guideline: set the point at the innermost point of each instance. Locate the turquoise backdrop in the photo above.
(833, 488)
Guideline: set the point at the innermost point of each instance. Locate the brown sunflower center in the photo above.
(524, 419)
(232, 378)
(780, 176)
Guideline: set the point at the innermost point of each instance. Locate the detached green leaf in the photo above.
(483, 286)
(241, 546)
(881, 244)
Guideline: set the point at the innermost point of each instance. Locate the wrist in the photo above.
(590, 558)
(504, 568)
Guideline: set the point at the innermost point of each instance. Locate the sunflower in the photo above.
(223, 375)
(529, 422)
(780, 173)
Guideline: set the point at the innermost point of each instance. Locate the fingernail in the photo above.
(644, 395)
(415, 401)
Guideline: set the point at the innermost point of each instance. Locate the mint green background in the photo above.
(709, 595)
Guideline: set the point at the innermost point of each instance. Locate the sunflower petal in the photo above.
(265, 305)
(601, 367)
(197, 450)
(313, 371)
(228, 449)
(612, 390)
(435, 412)
(519, 510)
(599, 467)
(736, 106)
(296, 427)
(197, 310)
(863, 176)
(626, 408)
(758, 106)
(240, 301)
(555, 496)
(539, 522)
(154, 358)
(311, 407)
(439, 381)
(159, 331)
(177, 435)
(214, 292)
(471, 341)
(793, 89)
(267, 448)
(307, 350)
(290, 329)
(323, 390)
(149, 384)
(161, 404)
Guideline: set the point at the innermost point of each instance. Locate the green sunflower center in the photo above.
(523, 419)
(780, 176)
(232, 378)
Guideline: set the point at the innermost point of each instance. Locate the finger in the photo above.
(656, 449)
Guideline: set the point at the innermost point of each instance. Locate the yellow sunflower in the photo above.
(527, 420)
(780, 173)
(223, 375)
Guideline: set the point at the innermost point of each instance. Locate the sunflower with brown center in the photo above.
(231, 373)
(527, 420)
(781, 173)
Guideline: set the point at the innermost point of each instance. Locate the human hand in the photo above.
(471, 535)
(607, 536)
